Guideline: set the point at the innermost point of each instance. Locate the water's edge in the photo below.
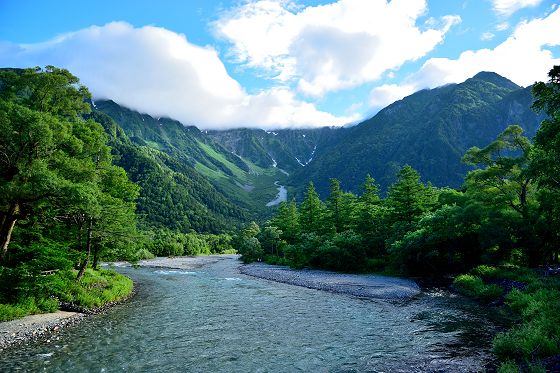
(212, 317)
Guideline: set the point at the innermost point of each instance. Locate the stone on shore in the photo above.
(35, 327)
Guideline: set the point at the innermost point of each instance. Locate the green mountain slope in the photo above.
(287, 149)
(172, 193)
(429, 130)
(191, 152)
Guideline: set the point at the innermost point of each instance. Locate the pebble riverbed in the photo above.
(367, 286)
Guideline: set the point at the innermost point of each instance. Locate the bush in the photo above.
(375, 265)
(12, 311)
(276, 260)
(142, 254)
(538, 335)
(250, 249)
(474, 287)
(295, 256)
(96, 289)
(508, 367)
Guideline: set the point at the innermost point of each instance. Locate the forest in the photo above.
(68, 199)
(76, 190)
(500, 228)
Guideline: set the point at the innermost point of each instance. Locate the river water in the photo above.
(214, 319)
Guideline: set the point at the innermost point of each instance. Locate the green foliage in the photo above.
(474, 287)
(508, 367)
(430, 130)
(313, 213)
(248, 245)
(287, 221)
(270, 240)
(545, 162)
(407, 198)
(96, 289)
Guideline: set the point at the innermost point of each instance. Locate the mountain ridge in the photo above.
(430, 130)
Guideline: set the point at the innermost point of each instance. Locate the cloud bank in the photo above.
(508, 7)
(524, 57)
(330, 47)
(158, 72)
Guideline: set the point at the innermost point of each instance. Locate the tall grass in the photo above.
(97, 288)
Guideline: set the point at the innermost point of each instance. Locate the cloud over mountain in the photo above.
(330, 47)
(524, 57)
(161, 73)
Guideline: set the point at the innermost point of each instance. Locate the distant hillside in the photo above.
(172, 193)
(288, 149)
(429, 130)
(215, 174)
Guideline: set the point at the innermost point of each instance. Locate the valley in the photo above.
(429, 130)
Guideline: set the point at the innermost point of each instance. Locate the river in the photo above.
(215, 319)
(282, 195)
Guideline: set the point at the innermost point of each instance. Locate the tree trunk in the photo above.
(6, 229)
(95, 256)
(88, 251)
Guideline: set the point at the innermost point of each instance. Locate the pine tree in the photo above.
(406, 198)
(312, 213)
(287, 220)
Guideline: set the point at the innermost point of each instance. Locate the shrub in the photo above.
(143, 253)
(508, 367)
(474, 287)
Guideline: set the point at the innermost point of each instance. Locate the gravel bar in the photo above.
(35, 327)
(366, 286)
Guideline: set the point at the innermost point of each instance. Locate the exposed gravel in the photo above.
(45, 326)
(367, 286)
(178, 262)
(35, 327)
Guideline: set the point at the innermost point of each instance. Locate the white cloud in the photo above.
(388, 93)
(502, 26)
(508, 7)
(485, 36)
(523, 57)
(159, 72)
(334, 46)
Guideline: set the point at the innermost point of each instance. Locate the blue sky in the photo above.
(278, 63)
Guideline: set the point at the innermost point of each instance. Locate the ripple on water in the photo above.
(174, 272)
(222, 321)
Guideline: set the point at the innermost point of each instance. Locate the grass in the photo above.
(239, 173)
(536, 334)
(96, 289)
(472, 286)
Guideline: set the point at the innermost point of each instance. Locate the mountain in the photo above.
(172, 193)
(287, 149)
(429, 130)
(214, 173)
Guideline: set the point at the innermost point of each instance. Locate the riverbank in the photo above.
(366, 286)
(96, 293)
(36, 327)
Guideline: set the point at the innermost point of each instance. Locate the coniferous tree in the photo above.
(312, 213)
(406, 199)
(334, 205)
(545, 162)
(287, 221)
(371, 218)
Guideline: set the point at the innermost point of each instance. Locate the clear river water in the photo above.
(214, 319)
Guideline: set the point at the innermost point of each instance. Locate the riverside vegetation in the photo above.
(66, 202)
(499, 227)
(75, 188)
